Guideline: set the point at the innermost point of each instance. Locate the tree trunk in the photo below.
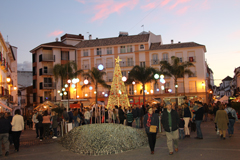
(144, 94)
(176, 88)
(183, 86)
(96, 89)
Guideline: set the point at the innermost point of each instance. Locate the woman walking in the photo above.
(151, 123)
(186, 118)
(222, 120)
(17, 127)
(46, 124)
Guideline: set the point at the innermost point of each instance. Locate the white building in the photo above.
(8, 76)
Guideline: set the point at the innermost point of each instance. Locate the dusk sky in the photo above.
(213, 23)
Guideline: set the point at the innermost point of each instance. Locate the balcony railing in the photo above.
(165, 59)
(46, 57)
(193, 75)
(126, 63)
(49, 71)
(85, 66)
(191, 59)
(47, 85)
(155, 61)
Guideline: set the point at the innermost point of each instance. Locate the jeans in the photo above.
(231, 126)
(75, 124)
(16, 136)
(152, 140)
(4, 140)
(46, 129)
(87, 121)
(198, 126)
(181, 133)
(137, 120)
(55, 132)
(36, 126)
(172, 139)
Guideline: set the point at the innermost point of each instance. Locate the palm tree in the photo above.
(176, 69)
(96, 77)
(68, 70)
(143, 75)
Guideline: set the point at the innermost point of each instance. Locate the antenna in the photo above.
(7, 38)
(143, 27)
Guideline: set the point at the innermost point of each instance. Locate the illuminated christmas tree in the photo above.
(118, 93)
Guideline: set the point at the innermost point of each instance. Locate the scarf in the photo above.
(149, 120)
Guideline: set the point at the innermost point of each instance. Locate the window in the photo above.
(141, 46)
(142, 64)
(165, 57)
(34, 97)
(33, 58)
(180, 87)
(85, 52)
(34, 84)
(65, 55)
(34, 71)
(130, 61)
(47, 82)
(192, 86)
(109, 76)
(99, 51)
(131, 89)
(129, 48)
(124, 73)
(155, 59)
(122, 49)
(45, 69)
(109, 50)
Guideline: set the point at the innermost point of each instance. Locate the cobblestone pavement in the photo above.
(210, 148)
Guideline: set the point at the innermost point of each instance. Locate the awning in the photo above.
(74, 105)
(5, 106)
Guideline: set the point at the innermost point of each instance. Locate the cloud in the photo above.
(165, 2)
(25, 66)
(177, 3)
(149, 6)
(182, 10)
(234, 35)
(105, 8)
(55, 33)
(81, 1)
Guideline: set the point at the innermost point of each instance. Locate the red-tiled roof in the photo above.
(158, 46)
(113, 41)
(58, 44)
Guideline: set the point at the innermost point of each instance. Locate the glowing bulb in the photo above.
(61, 94)
(86, 95)
(124, 79)
(65, 93)
(133, 82)
(58, 91)
(63, 89)
(162, 87)
(73, 85)
(151, 91)
(162, 76)
(69, 81)
(85, 81)
(66, 85)
(156, 76)
(90, 87)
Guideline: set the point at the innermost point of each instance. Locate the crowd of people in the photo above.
(177, 121)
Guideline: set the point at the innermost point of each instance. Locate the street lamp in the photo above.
(100, 67)
(85, 81)
(69, 81)
(133, 83)
(8, 79)
(156, 76)
(124, 79)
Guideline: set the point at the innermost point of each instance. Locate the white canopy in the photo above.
(224, 99)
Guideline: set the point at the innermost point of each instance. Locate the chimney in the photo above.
(179, 42)
(90, 37)
(56, 39)
(172, 41)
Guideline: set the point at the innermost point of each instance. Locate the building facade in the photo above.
(8, 76)
(144, 49)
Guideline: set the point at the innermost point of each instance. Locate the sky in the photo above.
(213, 23)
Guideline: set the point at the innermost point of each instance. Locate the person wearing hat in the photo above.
(170, 121)
(198, 120)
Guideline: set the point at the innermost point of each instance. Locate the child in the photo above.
(181, 128)
(129, 117)
(195, 108)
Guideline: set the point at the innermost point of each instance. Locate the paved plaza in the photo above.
(210, 148)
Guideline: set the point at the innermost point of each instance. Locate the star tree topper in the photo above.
(117, 60)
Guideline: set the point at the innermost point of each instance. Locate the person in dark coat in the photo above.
(151, 119)
(121, 115)
(40, 124)
(170, 121)
(5, 126)
(198, 120)
(54, 124)
(142, 113)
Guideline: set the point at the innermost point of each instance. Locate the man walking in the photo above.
(5, 126)
(198, 120)
(232, 116)
(170, 121)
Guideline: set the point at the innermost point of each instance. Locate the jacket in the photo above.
(121, 114)
(40, 119)
(221, 119)
(199, 114)
(154, 121)
(5, 125)
(175, 120)
(17, 123)
(234, 114)
(54, 122)
(187, 112)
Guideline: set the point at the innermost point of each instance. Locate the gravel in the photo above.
(103, 139)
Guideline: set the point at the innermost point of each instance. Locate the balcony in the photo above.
(46, 72)
(191, 59)
(85, 66)
(126, 64)
(6, 67)
(109, 65)
(165, 59)
(23, 101)
(155, 61)
(46, 58)
(11, 99)
(47, 85)
(193, 75)
(3, 64)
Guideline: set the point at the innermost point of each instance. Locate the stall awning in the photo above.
(5, 106)
(74, 105)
